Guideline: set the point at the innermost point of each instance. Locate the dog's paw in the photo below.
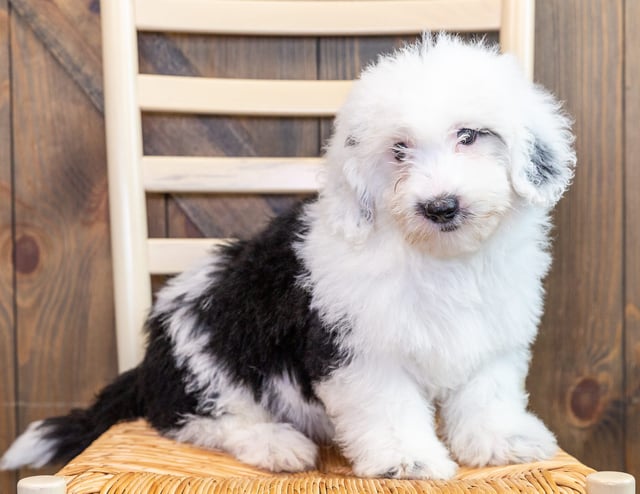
(399, 466)
(522, 441)
(274, 446)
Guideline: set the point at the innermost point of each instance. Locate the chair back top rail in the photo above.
(317, 17)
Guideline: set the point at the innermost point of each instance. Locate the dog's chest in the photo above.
(439, 320)
(441, 324)
(453, 327)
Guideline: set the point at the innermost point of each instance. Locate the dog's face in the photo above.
(442, 140)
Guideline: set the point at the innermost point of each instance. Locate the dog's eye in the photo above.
(399, 151)
(467, 137)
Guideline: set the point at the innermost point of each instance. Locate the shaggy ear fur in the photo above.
(544, 158)
(351, 208)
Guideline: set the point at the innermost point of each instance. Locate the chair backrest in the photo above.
(128, 93)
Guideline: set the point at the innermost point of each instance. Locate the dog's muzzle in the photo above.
(441, 210)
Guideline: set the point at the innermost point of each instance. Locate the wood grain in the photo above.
(576, 380)
(632, 236)
(84, 16)
(77, 51)
(66, 344)
(238, 215)
(7, 326)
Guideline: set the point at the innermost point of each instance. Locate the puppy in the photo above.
(412, 282)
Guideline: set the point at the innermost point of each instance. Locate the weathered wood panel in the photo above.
(576, 381)
(66, 344)
(238, 215)
(632, 235)
(73, 41)
(7, 326)
(84, 16)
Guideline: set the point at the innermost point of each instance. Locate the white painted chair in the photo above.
(128, 93)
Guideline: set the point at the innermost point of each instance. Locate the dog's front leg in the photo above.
(486, 421)
(383, 423)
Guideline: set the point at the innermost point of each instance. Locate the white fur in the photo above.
(31, 449)
(252, 438)
(497, 432)
(428, 316)
(308, 417)
(436, 317)
(384, 424)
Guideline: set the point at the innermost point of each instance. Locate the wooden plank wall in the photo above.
(55, 290)
(632, 234)
(64, 312)
(577, 377)
(7, 324)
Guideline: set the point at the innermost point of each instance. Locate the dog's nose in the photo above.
(443, 209)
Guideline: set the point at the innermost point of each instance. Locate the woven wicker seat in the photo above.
(131, 457)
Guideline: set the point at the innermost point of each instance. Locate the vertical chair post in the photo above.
(126, 194)
(517, 31)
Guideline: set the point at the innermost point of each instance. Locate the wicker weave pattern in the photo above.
(133, 458)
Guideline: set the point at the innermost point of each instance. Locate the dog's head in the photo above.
(442, 139)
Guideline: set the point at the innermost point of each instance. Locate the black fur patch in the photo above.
(543, 161)
(162, 381)
(351, 141)
(119, 401)
(258, 315)
(366, 212)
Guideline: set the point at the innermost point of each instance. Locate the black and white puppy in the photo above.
(413, 282)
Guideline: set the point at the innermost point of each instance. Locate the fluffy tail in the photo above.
(59, 439)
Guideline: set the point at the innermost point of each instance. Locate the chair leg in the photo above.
(611, 483)
(42, 484)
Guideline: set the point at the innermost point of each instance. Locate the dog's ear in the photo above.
(543, 159)
(350, 204)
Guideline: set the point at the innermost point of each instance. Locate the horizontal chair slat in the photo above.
(162, 93)
(231, 175)
(317, 18)
(174, 255)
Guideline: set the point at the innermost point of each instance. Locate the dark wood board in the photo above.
(66, 340)
(632, 235)
(73, 41)
(7, 324)
(576, 380)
